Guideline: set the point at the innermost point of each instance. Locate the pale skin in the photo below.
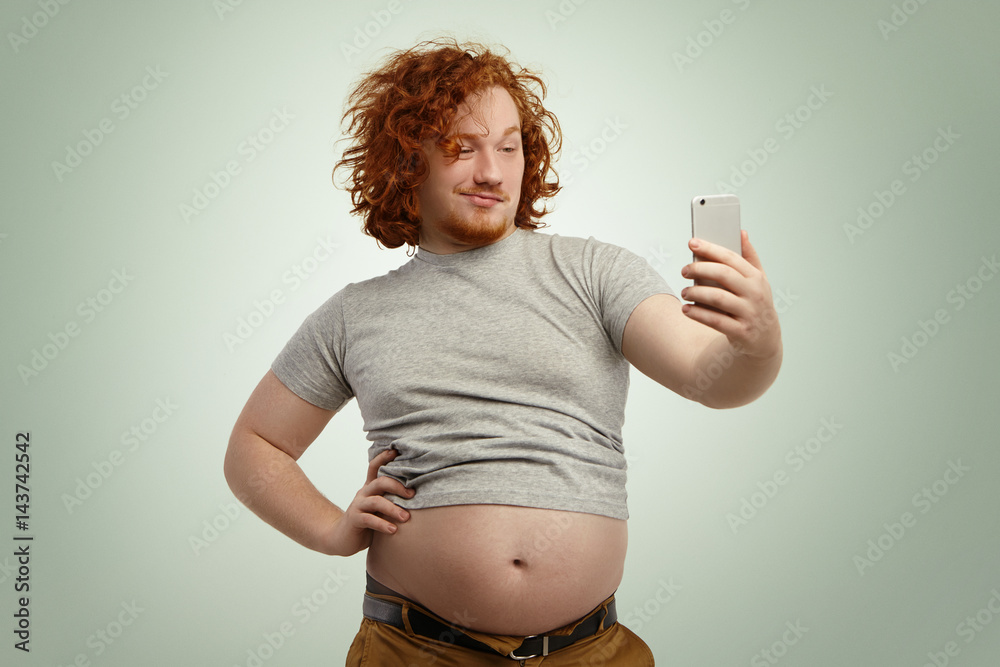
(496, 568)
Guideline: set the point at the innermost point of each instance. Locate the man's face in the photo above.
(471, 201)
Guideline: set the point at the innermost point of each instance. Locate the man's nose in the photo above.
(487, 169)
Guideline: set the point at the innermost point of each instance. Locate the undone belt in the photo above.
(391, 613)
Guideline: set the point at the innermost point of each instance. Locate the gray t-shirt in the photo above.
(496, 372)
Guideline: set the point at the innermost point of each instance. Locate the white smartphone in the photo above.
(716, 218)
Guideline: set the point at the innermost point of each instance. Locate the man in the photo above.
(491, 372)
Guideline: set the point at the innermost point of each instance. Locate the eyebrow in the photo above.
(509, 130)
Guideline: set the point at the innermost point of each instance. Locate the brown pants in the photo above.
(381, 645)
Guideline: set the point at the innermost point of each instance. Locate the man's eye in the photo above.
(463, 150)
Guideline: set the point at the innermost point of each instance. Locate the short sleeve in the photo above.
(621, 281)
(311, 363)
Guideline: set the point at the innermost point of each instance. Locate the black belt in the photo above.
(391, 613)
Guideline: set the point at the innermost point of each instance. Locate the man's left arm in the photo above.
(722, 358)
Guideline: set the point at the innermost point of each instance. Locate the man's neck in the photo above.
(443, 244)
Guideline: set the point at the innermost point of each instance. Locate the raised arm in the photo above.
(721, 358)
(272, 432)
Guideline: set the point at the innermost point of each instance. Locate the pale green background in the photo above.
(848, 306)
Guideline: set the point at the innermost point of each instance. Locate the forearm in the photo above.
(726, 377)
(273, 486)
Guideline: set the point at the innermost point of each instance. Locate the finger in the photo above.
(717, 298)
(386, 484)
(380, 460)
(717, 253)
(750, 253)
(382, 506)
(721, 322)
(370, 521)
(724, 275)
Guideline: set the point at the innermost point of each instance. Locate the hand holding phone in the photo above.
(744, 311)
(716, 219)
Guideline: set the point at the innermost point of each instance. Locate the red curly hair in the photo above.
(414, 96)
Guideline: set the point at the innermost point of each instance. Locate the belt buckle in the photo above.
(545, 649)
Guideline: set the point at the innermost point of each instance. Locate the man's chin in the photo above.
(475, 232)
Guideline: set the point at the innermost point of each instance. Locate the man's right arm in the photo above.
(272, 432)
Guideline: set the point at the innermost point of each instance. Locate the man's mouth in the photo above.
(486, 199)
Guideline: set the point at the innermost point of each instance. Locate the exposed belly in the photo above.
(503, 569)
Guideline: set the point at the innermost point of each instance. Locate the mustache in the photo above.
(496, 194)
